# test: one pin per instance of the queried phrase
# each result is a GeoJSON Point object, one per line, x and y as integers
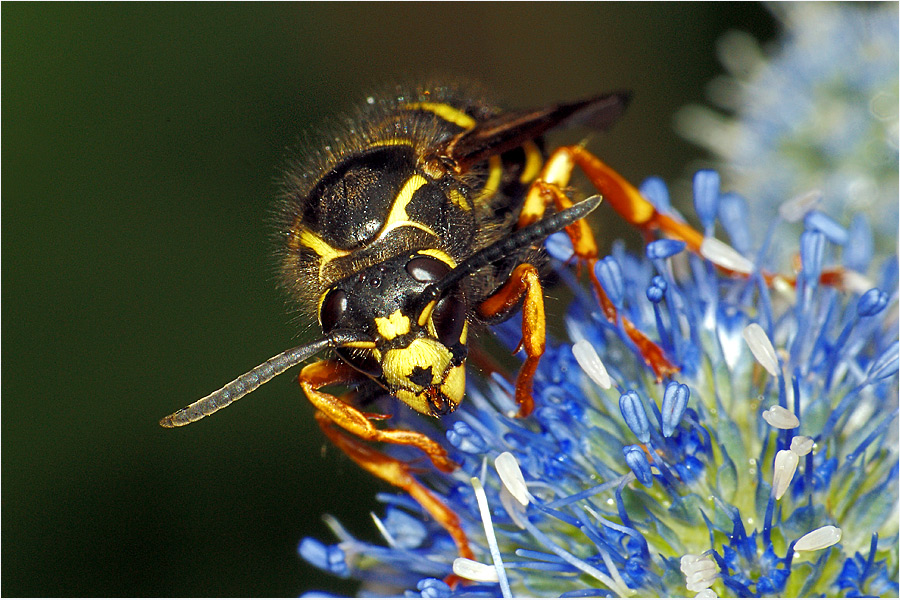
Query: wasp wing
{"type": "Point", "coordinates": [510, 130]}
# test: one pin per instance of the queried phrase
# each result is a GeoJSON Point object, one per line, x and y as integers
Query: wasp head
{"type": "Point", "coordinates": [420, 347]}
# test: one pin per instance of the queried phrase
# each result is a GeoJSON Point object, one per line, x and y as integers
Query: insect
{"type": "Point", "coordinates": [421, 221]}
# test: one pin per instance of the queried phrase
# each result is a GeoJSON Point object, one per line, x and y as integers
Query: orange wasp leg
{"type": "Point", "coordinates": [397, 473]}
{"type": "Point", "coordinates": [522, 283]}
{"type": "Point", "coordinates": [626, 200]}
{"type": "Point", "coordinates": [332, 413]}
{"type": "Point", "coordinates": [634, 208]}
{"type": "Point", "coordinates": [333, 371]}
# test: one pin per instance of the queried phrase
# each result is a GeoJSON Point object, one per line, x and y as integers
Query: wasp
{"type": "Point", "coordinates": [419, 222]}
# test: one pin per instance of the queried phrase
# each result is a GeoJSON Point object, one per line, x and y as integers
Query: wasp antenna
{"type": "Point", "coordinates": [257, 376]}
{"type": "Point", "coordinates": [504, 247]}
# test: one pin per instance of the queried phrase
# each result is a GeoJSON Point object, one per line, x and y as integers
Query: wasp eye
{"type": "Point", "coordinates": [332, 310]}
{"type": "Point", "coordinates": [449, 318]}
{"type": "Point", "coordinates": [426, 269]}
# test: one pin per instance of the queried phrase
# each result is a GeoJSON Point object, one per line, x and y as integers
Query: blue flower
{"type": "Point", "coordinates": [767, 467]}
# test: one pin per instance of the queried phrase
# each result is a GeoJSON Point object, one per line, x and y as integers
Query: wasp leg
{"type": "Point", "coordinates": [333, 371]}
{"type": "Point", "coordinates": [523, 283]}
{"type": "Point", "coordinates": [547, 189]}
{"type": "Point", "coordinates": [397, 473]}
{"type": "Point", "coordinates": [634, 208]}
{"type": "Point", "coordinates": [627, 200]}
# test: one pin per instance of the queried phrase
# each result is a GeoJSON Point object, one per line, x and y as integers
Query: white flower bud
{"type": "Point", "coordinates": [511, 476]}
{"type": "Point", "coordinates": [786, 462]}
{"type": "Point", "coordinates": [802, 444]}
{"type": "Point", "coordinates": [761, 347]}
{"type": "Point", "coordinates": [780, 418]}
{"type": "Point", "coordinates": [590, 362]}
{"type": "Point", "coordinates": [474, 570]}
{"type": "Point", "coordinates": [823, 537]}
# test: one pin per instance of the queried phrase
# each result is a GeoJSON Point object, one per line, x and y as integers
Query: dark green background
{"type": "Point", "coordinates": [140, 148]}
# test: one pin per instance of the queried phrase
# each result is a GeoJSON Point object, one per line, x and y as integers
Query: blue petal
{"type": "Point", "coordinates": [637, 461]}
{"type": "Point", "coordinates": [406, 530]}
{"type": "Point", "coordinates": [674, 403]}
{"type": "Point", "coordinates": [610, 276]}
{"type": "Point", "coordinates": [706, 196]}
{"type": "Point", "coordinates": [635, 416]}
{"type": "Point", "coordinates": [559, 246]}
{"type": "Point", "coordinates": [654, 189]}
{"type": "Point", "coordinates": [859, 249]}
{"type": "Point", "coordinates": [656, 291]}
{"type": "Point", "coordinates": [326, 558]}
{"type": "Point", "coordinates": [466, 439]}
{"type": "Point", "coordinates": [871, 303]}
{"type": "Point", "coordinates": [664, 248]}
{"type": "Point", "coordinates": [434, 588]}
{"type": "Point", "coordinates": [734, 217]}
{"type": "Point", "coordinates": [818, 221]}
{"type": "Point", "coordinates": [812, 251]}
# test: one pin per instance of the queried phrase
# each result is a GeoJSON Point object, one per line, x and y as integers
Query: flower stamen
{"type": "Point", "coordinates": [819, 539]}
{"type": "Point", "coordinates": [761, 347]}
{"type": "Point", "coordinates": [500, 571]}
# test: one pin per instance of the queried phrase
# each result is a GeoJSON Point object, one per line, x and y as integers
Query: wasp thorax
{"type": "Point", "coordinates": [420, 347]}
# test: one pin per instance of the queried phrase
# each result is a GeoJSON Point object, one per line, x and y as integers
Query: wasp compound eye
{"type": "Point", "coordinates": [449, 319]}
{"type": "Point", "coordinates": [333, 308]}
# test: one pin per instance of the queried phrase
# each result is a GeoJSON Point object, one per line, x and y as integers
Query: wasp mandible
{"type": "Point", "coordinates": [418, 222]}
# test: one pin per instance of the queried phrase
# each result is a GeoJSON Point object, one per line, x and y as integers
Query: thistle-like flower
{"type": "Point", "coordinates": [767, 467]}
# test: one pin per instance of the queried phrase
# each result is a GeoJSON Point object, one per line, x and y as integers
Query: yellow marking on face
{"type": "Point", "coordinates": [320, 246]}
{"type": "Point", "coordinates": [398, 216]}
{"type": "Point", "coordinates": [423, 352]}
{"type": "Point", "coordinates": [453, 388]}
{"type": "Point", "coordinates": [425, 315]}
{"type": "Point", "coordinates": [447, 260]}
{"type": "Point", "coordinates": [362, 345]}
{"type": "Point", "coordinates": [446, 112]}
{"type": "Point", "coordinates": [495, 174]}
{"type": "Point", "coordinates": [416, 401]}
{"type": "Point", "coordinates": [461, 201]}
{"type": "Point", "coordinates": [454, 385]}
{"type": "Point", "coordinates": [392, 326]}
{"type": "Point", "coordinates": [533, 162]}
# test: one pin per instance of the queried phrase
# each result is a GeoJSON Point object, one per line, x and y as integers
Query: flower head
{"type": "Point", "coordinates": [767, 466]}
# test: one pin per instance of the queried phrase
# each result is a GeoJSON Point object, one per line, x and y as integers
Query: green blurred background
{"type": "Point", "coordinates": [140, 151]}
